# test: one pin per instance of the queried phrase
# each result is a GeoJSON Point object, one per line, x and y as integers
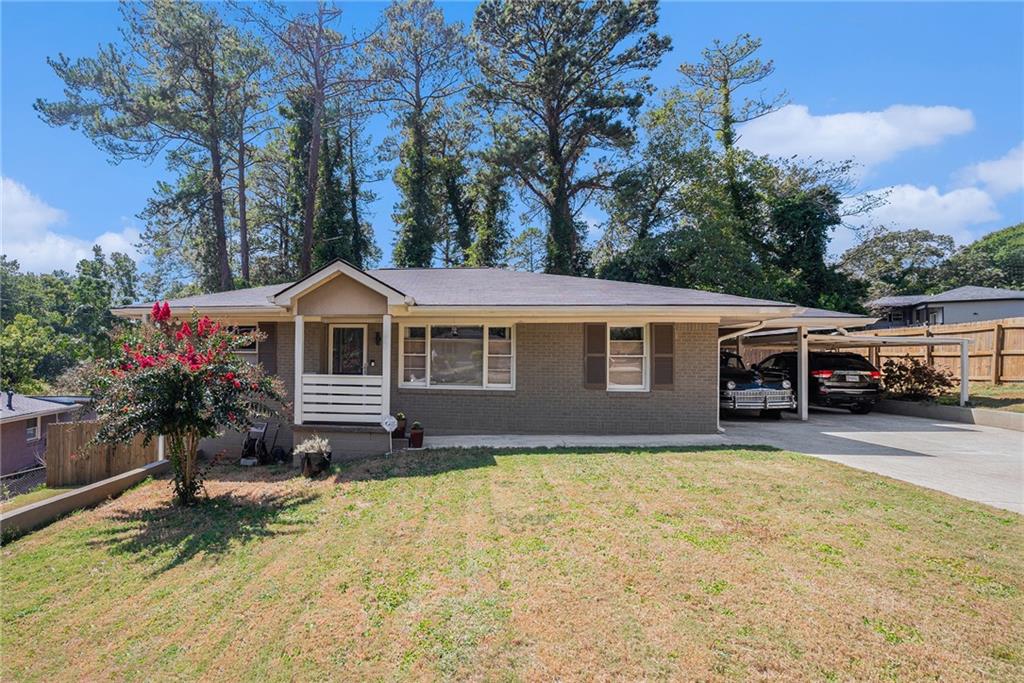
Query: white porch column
{"type": "Point", "coordinates": [300, 342]}
{"type": "Point", "coordinates": [801, 372]}
{"type": "Point", "coordinates": [385, 366]}
{"type": "Point", "coordinates": [965, 373]}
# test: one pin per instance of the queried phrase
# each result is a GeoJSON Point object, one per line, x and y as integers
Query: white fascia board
{"type": "Point", "coordinates": [592, 313]}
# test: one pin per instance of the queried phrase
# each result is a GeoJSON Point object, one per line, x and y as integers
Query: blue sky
{"type": "Point", "coordinates": [929, 98]}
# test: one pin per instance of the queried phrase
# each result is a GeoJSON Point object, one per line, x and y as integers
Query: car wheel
{"type": "Point", "coordinates": [861, 410]}
{"type": "Point", "coordinates": [772, 414]}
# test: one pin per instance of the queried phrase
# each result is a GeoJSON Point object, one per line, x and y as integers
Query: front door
{"type": "Point", "coordinates": [348, 349]}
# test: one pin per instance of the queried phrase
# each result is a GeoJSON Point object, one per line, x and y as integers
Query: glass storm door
{"type": "Point", "coordinates": [348, 350]}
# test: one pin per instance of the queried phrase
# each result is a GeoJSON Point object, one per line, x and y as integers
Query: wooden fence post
{"type": "Point", "coordinates": [997, 353]}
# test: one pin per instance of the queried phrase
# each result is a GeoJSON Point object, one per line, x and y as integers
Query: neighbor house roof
{"type": "Point", "coordinates": [971, 293]}
{"type": "Point", "coordinates": [484, 287]}
{"type": "Point", "coordinates": [967, 293]}
{"type": "Point", "coordinates": [25, 407]}
{"type": "Point", "coordinates": [897, 301]}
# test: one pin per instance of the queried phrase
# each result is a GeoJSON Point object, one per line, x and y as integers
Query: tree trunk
{"type": "Point", "coordinates": [243, 222]}
{"type": "Point", "coordinates": [353, 202]}
{"type": "Point", "coordinates": [220, 231]}
{"type": "Point", "coordinates": [561, 230]}
{"type": "Point", "coordinates": [312, 180]}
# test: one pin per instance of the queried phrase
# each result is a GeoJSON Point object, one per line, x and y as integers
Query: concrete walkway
{"type": "Point", "coordinates": [983, 464]}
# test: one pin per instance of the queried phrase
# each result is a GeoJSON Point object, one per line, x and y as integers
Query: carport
{"type": "Point", "coordinates": [807, 330]}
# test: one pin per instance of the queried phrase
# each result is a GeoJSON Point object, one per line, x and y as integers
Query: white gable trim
{"type": "Point", "coordinates": [288, 296]}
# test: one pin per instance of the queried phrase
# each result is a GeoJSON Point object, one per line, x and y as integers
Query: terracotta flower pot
{"type": "Point", "coordinates": [399, 432]}
{"type": "Point", "coordinates": [416, 438]}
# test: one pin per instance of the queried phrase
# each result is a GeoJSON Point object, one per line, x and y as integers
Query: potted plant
{"type": "Point", "coordinates": [316, 455]}
{"type": "Point", "coordinates": [416, 435]}
{"type": "Point", "coordinates": [399, 432]}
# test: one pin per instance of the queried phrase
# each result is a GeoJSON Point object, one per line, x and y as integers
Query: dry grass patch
{"type": "Point", "coordinates": [710, 564]}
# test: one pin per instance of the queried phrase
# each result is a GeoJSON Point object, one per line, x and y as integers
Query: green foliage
{"type": "Point", "coordinates": [909, 379]}
{"type": "Point", "coordinates": [180, 380]}
{"type": "Point", "coordinates": [564, 79]}
{"type": "Point", "coordinates": [49, 322]}
{"type": "Point", "coordinates": [26, 345]}
{"type": "Point", "coordinates": [897, 261]}
{"type": "Point", "coordinates": [995, 260]}
{"type": "Point", "coordinates": [527, 250]}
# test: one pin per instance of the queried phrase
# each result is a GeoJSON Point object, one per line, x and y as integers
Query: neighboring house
{"type": "Point", "coordinates": [960, 305]}
{"type": "Point", "coordinates": [476, 351]}
{"type": "Point", "coordinates": [23, 422]}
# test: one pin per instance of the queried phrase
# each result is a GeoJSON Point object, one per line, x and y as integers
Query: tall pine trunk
{"type": "Point", "coordinates": [220, 231]}
{"type": "Point", "coordinates": [243, 222]}
{"type": "Point", "coordinates": [312, 179]}
{"type": "Point", "coordinates": [353, 203]}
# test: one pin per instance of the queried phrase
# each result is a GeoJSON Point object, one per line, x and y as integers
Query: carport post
{"type": "Point", "coordinates": [965, 373]}
{"type": "Point", "coordinates": [801, 372]}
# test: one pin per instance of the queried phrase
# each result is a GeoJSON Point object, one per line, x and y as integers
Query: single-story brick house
{"type": "Point", "coordinates": [23, 423]}
{"type": "Point", "coordinates": [485, 350]}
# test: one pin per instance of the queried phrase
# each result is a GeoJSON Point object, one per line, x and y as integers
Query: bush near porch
{"type": "Point", "coordinates": [710, 564]}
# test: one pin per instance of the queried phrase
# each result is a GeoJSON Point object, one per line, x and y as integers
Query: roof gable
{"type": "Point", "coordinates": [288, 295]}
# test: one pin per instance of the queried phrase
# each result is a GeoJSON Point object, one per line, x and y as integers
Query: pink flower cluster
{"type": "Point", "coordinates": [160, 313]}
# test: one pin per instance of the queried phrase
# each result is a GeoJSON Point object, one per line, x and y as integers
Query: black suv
{"type": "Point", "coordinates": [742, 388]}
{"type": "Point", "coordinates": [837, 380]}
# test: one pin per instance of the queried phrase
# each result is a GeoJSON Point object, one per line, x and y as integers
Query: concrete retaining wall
{"type": "Point", "coordinates": [39, 514]}
{"type": "Point", "coordinates": [935, 411]}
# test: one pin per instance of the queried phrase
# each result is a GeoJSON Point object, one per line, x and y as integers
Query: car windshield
{"type": "Point", "coordinates": [732, 362]}
{"type": "Point", "coordinates": [840, 361]}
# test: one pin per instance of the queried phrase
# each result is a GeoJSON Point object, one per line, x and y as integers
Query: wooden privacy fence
{"type": "Point", "coordinates": [996, 350]}
{"type": "Point", "coordinates": [70, 463]}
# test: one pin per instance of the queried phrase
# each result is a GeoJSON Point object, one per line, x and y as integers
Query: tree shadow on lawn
{"type": "Point", "coordinates": [434, 461]}
{"type": "Point", "coordinates": [173, 535]}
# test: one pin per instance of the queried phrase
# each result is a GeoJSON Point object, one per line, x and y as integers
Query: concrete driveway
{"type": "Point", "coordinates": [984, 464]}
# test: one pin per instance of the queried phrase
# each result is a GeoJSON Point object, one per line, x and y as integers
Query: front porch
{"type": "Point", "coordinates": [342, 371]}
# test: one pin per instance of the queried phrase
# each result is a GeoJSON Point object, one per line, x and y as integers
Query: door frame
{"type": "Point", "coordinates": [330, 345]}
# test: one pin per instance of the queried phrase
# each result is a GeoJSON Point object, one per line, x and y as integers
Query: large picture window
{"type": "Point", "coordinates": [458, 356]}
{"type": "Point", "coordinates": [627, 358]}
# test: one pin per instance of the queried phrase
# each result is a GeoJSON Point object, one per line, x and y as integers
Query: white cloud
{"type": "Point", "coordinates": [999, 176]}
{"type": "Point", "coordinates": [952, 213]}
{"type": "Point", "coordinates": [867, 137]}
{"type": "Point", "coordinates": [27, 233]}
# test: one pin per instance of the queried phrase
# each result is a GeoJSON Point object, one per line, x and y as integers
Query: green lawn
{"type": "Point", "coordinates": [702, 564]}
{"type": "Point", "coordinates": [987, 395]}
{"type": "Point", "coordinates": [34, 496]}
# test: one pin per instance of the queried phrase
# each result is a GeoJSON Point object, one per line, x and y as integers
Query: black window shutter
{"type": "Point", "coordinates": [595, 361]}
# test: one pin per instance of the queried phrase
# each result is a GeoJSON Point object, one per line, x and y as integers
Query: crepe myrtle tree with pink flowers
{"type": "Point", "coordinates": [183, 380]}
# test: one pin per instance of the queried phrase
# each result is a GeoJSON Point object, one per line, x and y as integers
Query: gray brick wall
{"type": "Point", "coordinates": [550, 396]}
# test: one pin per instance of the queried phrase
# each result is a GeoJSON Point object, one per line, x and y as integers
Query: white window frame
{"type": "Point", "coordinates": [38, 430]}
{"type": "Point", "coordinates": [330, 345]}
{"type": "Point", "coordinates": [486, 386]}
{"type": "Point", "coordinates": [646, 386]}
{"type": "Point", "coordinates": [254, 352]}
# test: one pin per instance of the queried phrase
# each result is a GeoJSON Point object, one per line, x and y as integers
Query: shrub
{"type": "Point", "coordinates": [180, 380]}
{"type": "Point", "coordinates": [909, 379]}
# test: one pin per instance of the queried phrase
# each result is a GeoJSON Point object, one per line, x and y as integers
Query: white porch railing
{"type": "Point", "coordinates": [342, 398]}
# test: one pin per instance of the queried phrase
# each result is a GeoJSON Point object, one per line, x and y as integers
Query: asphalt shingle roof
{"type": "Point", "coordinates": [492, 287]}
{"type": "Point", "coordinates": [26, 406]}
{"type": "Point", "coordinates": [971, 293]}
{"type": "Point", "coordinates": [967, 293]}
